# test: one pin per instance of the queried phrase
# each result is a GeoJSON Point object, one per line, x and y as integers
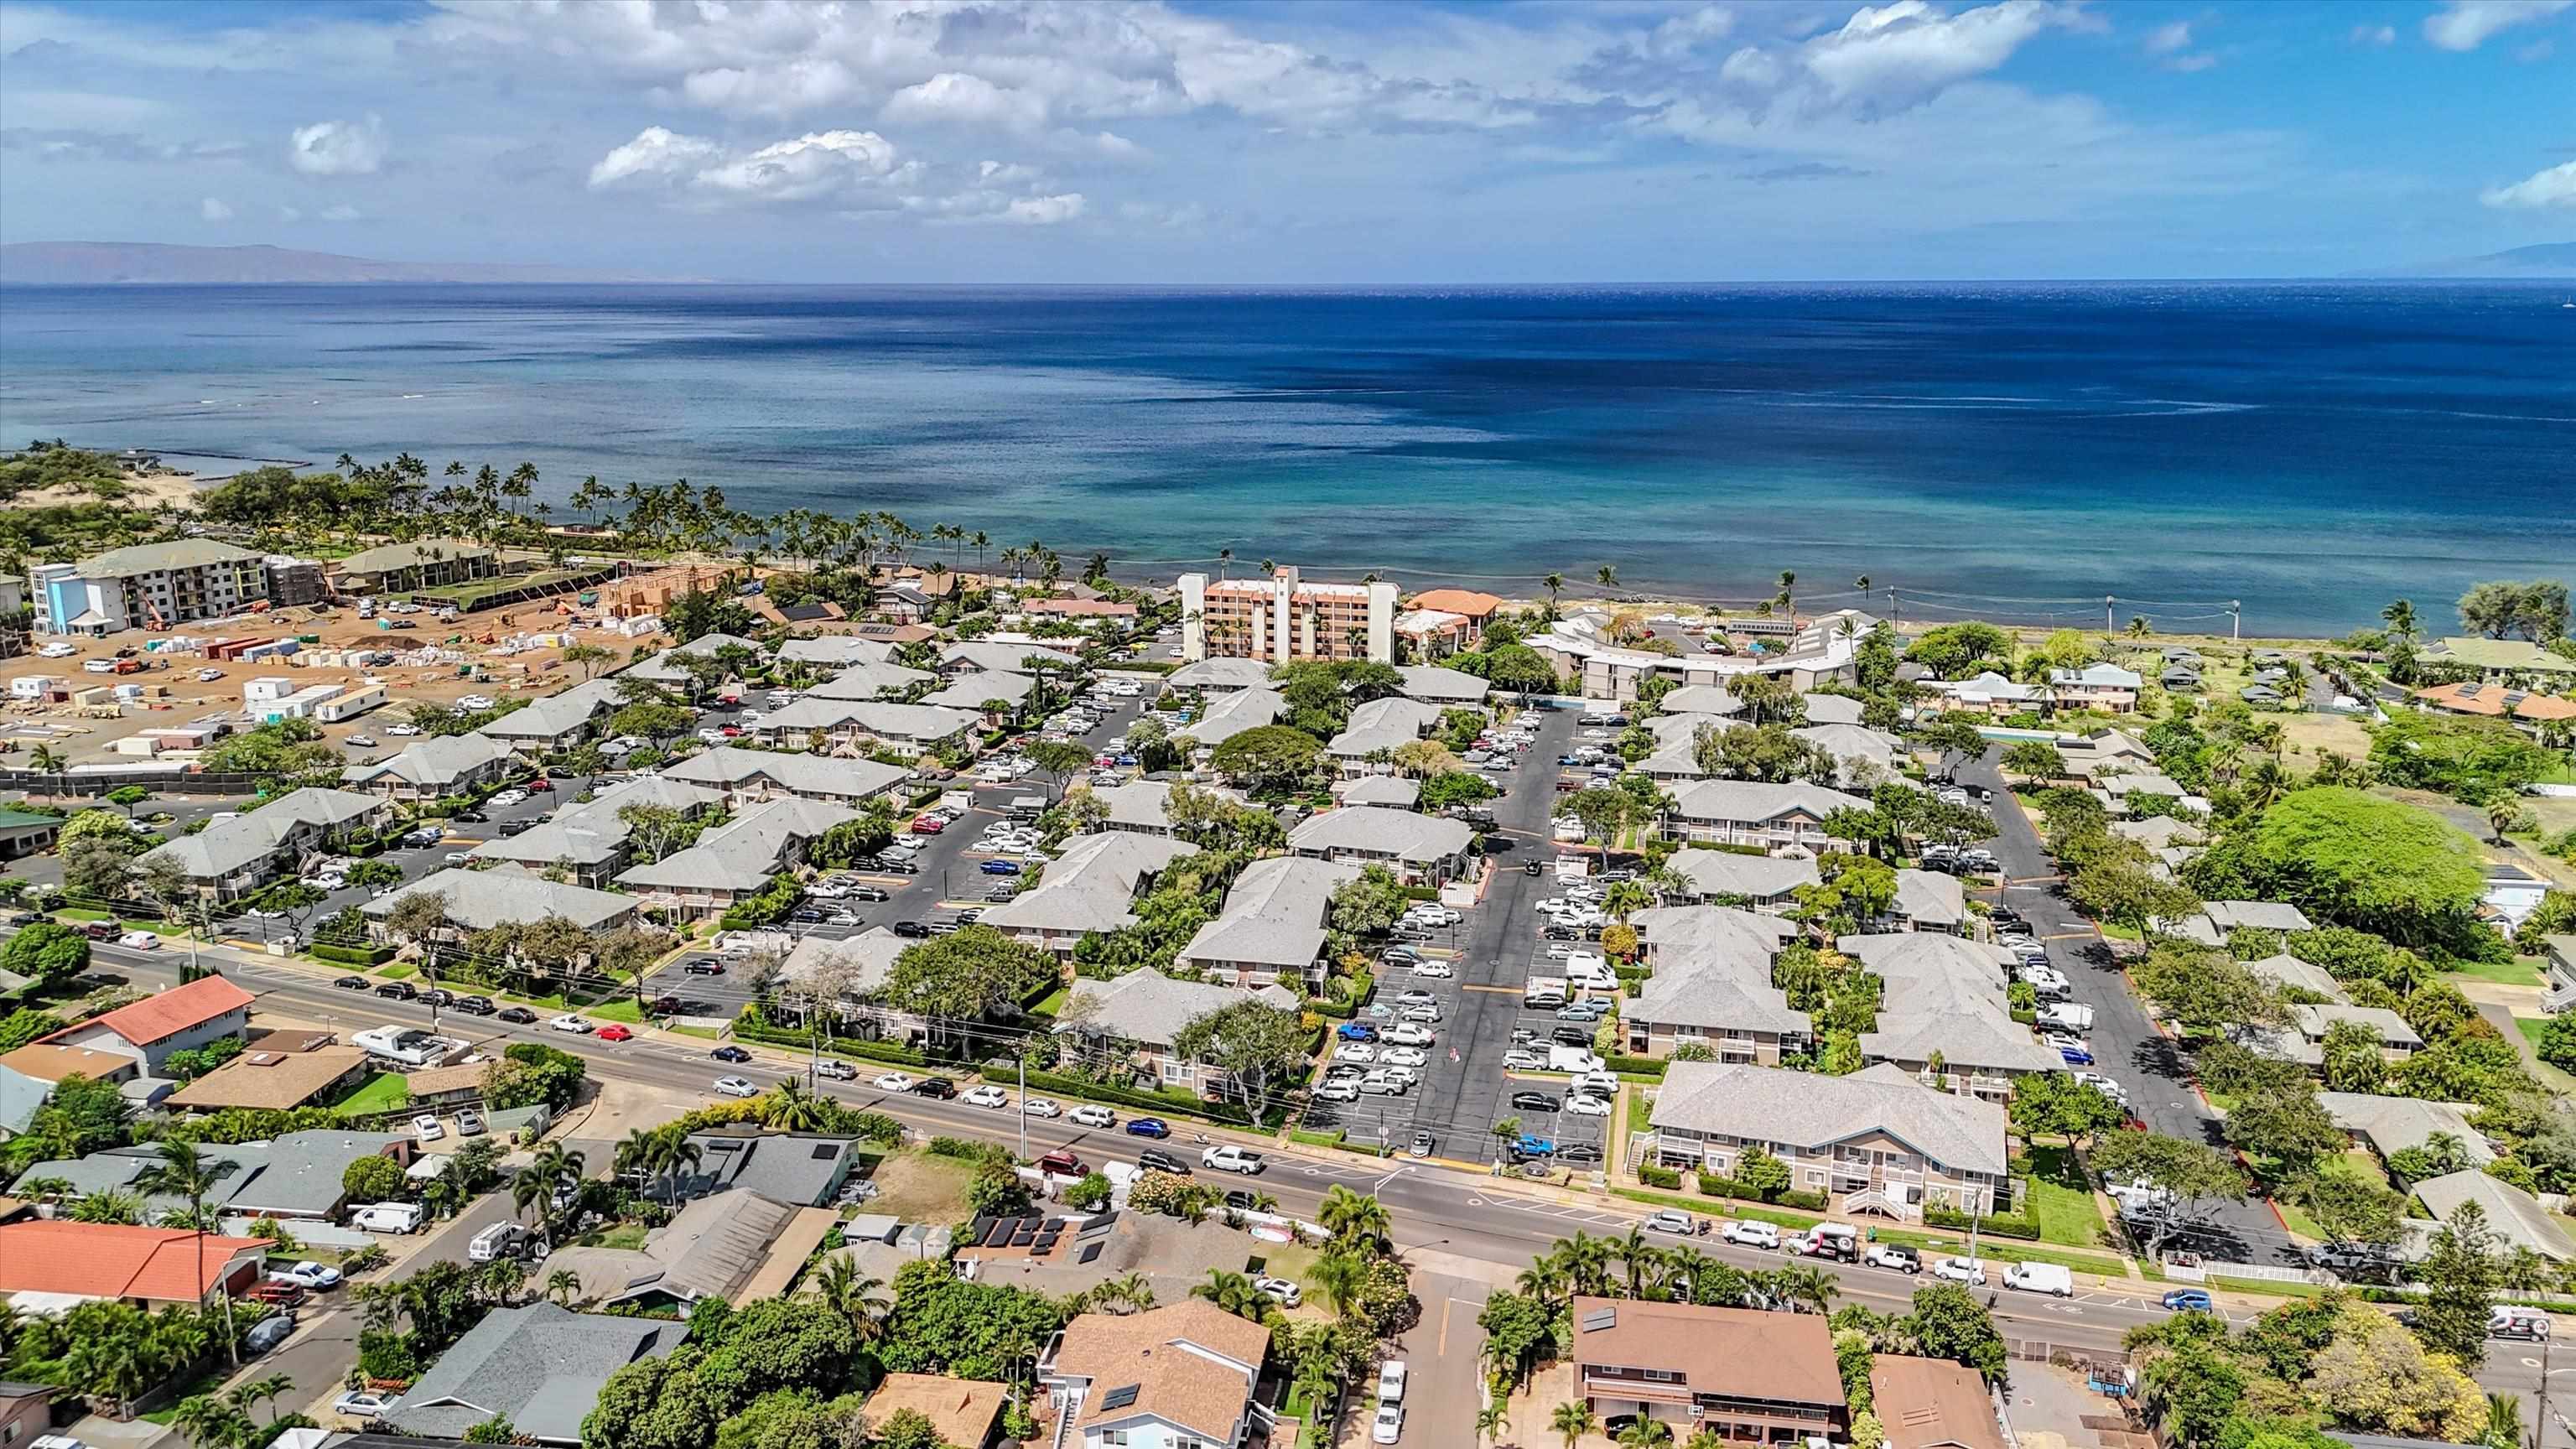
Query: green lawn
{"type": "Point", "coordinates": [708, 1032]}
{"type": "Point", "coordinates": [397, 970]}
{"type": "Point", "coordinates": [624, 1235]}
{"type": "Point", "coordinates": [2063, 1200]}
{"type": "Point", "coordinates": [383, 1092]}
{"type": "Point", "coordinates": [2531, 1028]}
{"type": "Point", "coordinates": [1053, 1003]}
{"type": "Point", "coordinates": [2520, 971]}
{"type": "Point", "coordinates": [2114, 931]}
{"type": "Point", "coordinates": [619, 1008]}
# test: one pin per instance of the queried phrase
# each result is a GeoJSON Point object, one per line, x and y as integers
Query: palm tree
{"type": "Point", "coordinates": [1552, 583]}
{"type": "Point", "coordinates": [2400, 618]}
{"type": "Point", "coordinates": [264, 1391]}
{"type": "Point", "coordinates": [1234, 1293]}
{"type": "Point", "coordinates": [563, 1287]}
{"type": "Point", "coordinates": [1492, 1420]}
{"type": "Point", "coordinates": [1341, 1278]}
{"type": "Point", "coordinates": [1807, 1285]}
{"type": "Point", "coordinates": [1645, 1433]}
{"type": "Point", "coordinates": [1224, 560]}
{"type": "Point", "coordinates": [1572, 1420]}
{"type": "Point", "coordinates": [1789, 595]}
{"type": "Point", "coordinates": [1626, 898]}
{"type": "Point", "coordinates": [1705, 1437]}
{"type": "Point", "coordinates": [1608, 575]}
{"type": "Point", "coordinates": [210, 1422]}
{"type": "Point", "coordinates": [2501, 813]}
{"type": "Point", "coordinates": [1544, 1280]}
{"type": "Point", "coordinates": [183, 1172]}
{"type": "Point", "coordinates": [44, 761]}
{"type": "Point", "coordinates": [2504, 1419]}
{"type": "Point", "coordinates": [2139, 628]}
{"type": "Point", "coordinates": [793, 1109]}
{"type": "Point", "coordinates": [1354, 1219]}
{"type": "Point", "coordinates": [1586, 1261]}
{"type": "Point", "coordinates": [1637, 1254]}
{"type": "Point", "coordinates": [852, 1298]}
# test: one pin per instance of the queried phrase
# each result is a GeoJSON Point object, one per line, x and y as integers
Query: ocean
{"type": "Point", "coordinates": [2018, 452]}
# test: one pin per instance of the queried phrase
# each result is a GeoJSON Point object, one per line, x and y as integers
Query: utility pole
{"type": "Point", "coordinates": [1895, 613]}
{"type": "Point", "coordinates": [1024, 1099]}
{"type": "Point", "coordinates": [2235, 620]}
{"type": "Point", "coordinates": [2106, 613]}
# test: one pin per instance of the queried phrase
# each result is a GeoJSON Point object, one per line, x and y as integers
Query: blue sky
{"type": "Point", "coordinates": [1250, 141]}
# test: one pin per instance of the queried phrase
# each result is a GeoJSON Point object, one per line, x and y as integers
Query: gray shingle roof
{"type": "Point", "coordinates": [744, 853]}
{"type": "Point", "coordinates": [1441, 686]}
{"type": "Point", "coordinates": [2393, 1124]}
{"type": "Point", "coordinates": [2263, 915]}
{"type": "Point", "coordinates": [591, 834]}
{"type": "Point", "coordinates": [1392, 791]}
{"type": "Point", "coordinates": [1675, 934]}
{"type": "Point", "coordinates": [1376, 830]}
{"type": "Point", "coordinates": [1274, 916]}
{"type": "Point", "coordinates": [506, 895]}
{"type": "Point", "coordinates": [868, 680]}
{"type": "Point", "coordinates": [1755, 877]}
{"type": "Point", "coordinates": [1809, 1110]}
{"type": "Point", "coordinates": [1220, 674]}
{"type": "Point", "coordinates": [297, 1173]}
{"type": "Point", "coordinates": [1931, 898]}
{"type": "Point", "coordinates": [1383, 724]}
{"type": "Point", "coordinates": [870, 955]}
{"type": "Point", "coordinates": [1232, 714]}
{"type": "Point", "coordinates": [2515, 1215]}
{"type": "Point", "coordinates": [833, 650]}
{"type": "Point", "coordinates": [1753, 802]}
{"type": "Point", "coordinates": [227, 846]}
{"type": "Point", "coordinates": [433, 762]}
{"type": "Point", "coordinates": [1149, 1007]}
{"type": "Point", "coordinates": [886, 719]}
{"type": "Point", "coordinates": [541, 1367]}
{"type": "Point", "coordinates": [1003, 656]}
{"type": "Point", "coordinates": [1091, 885]}
{"type": "Point", "coordinates": [801, 1168]}
{"type": "Point", "coordinates": [1714, 996]}
{"type": "Point", "coordinates": [970, 691]}
{"type": "Point", "coordinates": [1144, 804]}
{"type": "Point", "coordinates": [1982, 1036]}
{"type": "Point", "coordinates": [819, 777]}
{"type": "Point", "coordinates": [1700, 699]}
{"type": "Point", "coordinates": [2284, 969]}
{"type": "Point", "coordinates": [557, 714]}
{"type": "Point", "coordinates": [1828, 709]}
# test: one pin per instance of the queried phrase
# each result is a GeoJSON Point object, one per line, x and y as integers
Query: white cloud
{"type": "Point", "coordinates": [2554, 187]}
{"type": "Point", "coordinates": [1045, 210]}
{"type": "Point", "coordinates": [214, 210]}
{"type": "Point", "coordinates": [1898, 54]}
{"type": "Point", "coordinates": [816, 165]}
{"type": "Point", "coordinates": [341, 213]}
{"type": "Point", "coordinates": [2198, 60]}
{"type": "Point", "coordinates": [290, 214]}
{"type": "Point", "coordinates": [654, 153]}
{"type": "Point", "coordinates": [2166, 39]}
{"type": "Point", "coordinates": [956, 98]}
{"type": "Point", "coordinates": [2466, 24]}
{"type": "Point", "coordinates": [2374, 35]}
{"type": "Point", "coordinates": [338, 148]}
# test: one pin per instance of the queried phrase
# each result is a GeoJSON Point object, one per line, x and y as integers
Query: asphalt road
{"type": "Point", "coordinates": [2125, 1043]}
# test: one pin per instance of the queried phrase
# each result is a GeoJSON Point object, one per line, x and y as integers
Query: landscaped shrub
{"type": "Point", "coordinates": [1653, 1176]}
{"type": "Point", "coordinates": [1642, 1066]}
{"type": "Point", "coordinates": [1942, 1215]}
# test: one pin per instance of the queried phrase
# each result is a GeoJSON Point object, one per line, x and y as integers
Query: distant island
{"type": "Point", "coordinates": [2547, 261]}
{"type": "Point", "coordinates": [106, 264]}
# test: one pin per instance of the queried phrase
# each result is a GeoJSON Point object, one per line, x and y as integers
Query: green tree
{"type": "Point", "coordinates": [2196, 1175]}
{"type": "Point", "coordinates": [2119, 882]}
{"type": "Point", "coordinates": [1260, 1049]}
{"type": "Point", "coordinates": [958, 980]}
{"type": "Point", "coordinates": [373, 1179]}
{"type": "Point", "coordinates": [1572, 1420]}
{"type": "Point", "coordinates": [1948, 1322]}
{"type": "Point", "coordinates": [2460, 1276]}
{"type": "Point", "coordinates": [1767, 1176]}
{"type": "Point", "coordinates": [1268, 757]}
{"type": "Point", "coordinates": [2361, 860]}
{"type": "Point", "coordinates": [2205, 990]}
{"type": "Point", "coordinates": [46, 953]}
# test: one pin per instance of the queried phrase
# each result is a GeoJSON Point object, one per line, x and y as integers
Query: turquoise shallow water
{"type": "Point", "coordinates": [2313, 449]}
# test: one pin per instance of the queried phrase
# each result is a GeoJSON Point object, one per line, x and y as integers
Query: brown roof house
{"type": "Point", "coordinates": [1759, 1378]}
{"type": "Point", "coordinates": [964, 1412]}
{"type": "Point", "coordinates": [1930, 1403]}
{"type": "Point", "coordinates": [1179, 1374]}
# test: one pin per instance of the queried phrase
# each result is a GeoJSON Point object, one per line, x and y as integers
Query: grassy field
{"type": "Point", "coordinates": [383, 1092]}
{"type": "Point", "coordinates": [2063, 1199]}
{"type": "Point", "coordinates": [398, 970]}
{"type": "Point", "coordinates": [2520, 971]}
{"type": "Point", "coordinates": [624, 1235]}
{"type": "Point", "coordinates": [619, 1008]}
{"type": "Point", "coordinates": [917, 1187]}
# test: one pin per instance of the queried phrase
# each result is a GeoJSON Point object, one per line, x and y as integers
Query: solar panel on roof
{"type": "Point", "coordinates": [1121, 1396]}
{"type": "Point", "coordinates": [1090, 1251]}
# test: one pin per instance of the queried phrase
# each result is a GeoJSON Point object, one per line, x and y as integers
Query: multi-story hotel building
{"type": "Point", "coordinates": [147, 586]}
{"type": "Point", "coordinates": [1281, 618]}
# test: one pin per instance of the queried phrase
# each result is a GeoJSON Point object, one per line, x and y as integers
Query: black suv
{"type": "Point", "coordinates": [939, 1087]}
{"type": "Point", "coordinates": [870, 893]}
{"type": "Point", "coordinates": [399, 991]}
{"type": "Point", "coordinates": [910, 928]}
{"type": "Point", "coordinates": [518, 1015]}
{"type": "Point", "coordinates": [473, 1005]}
{"type": "Point", "coordinates": [1155, 1160]}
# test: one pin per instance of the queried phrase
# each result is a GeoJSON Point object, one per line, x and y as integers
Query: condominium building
{"type": "Point", "coordinates": [147, 586]}
{"type": "Point", "coordinates": [1282, 618]}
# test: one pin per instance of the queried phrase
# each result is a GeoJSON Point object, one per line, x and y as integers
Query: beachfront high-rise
{"type": "Point", "coordinates": [1281, 618]}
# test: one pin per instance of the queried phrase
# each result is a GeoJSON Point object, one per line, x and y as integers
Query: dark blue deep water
{"type": "Point", "coordinates": [2313, 449]}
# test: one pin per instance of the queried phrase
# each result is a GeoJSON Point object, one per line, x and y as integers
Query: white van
{"type": "Point", "coordinates": [501, 1240]}
{"type": "Point", "coordinates": [1572, 1059]}
{"type": "Point", "coordinates": [387, 1217]}
{"type": "Point", "coordinates": [2040, 1278]}
{"type": "Point", "coordinates": [2512, 1320]}
{"type": "Point", "coordinates": [2074, 1016]}
{"type": "Point", "coordinates": [1587, 970]}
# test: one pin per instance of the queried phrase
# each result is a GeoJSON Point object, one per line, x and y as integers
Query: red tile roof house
{"type": "Point", "coordinates": [147, 1267]}
{"type": "Point", "coordinates": [179, 1019]}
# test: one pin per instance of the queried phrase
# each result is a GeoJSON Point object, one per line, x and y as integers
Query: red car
{"type": "Point", "coordinates": [732, 732]}
{"type": "Point", "coordinates": [539, 785]}
{"type": "Point", "coordinates": [614, 1032]}
{"type": "Point", "coordinates": [928, 825]}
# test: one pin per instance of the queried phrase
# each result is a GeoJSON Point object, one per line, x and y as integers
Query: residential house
{"type": "Point", "coordinates": [2511, 895]}
{"type": "Point", "coordinates": [2217, 918]}
{"type": "Point", "coordinates": [1421, 849]}
{"type": "Point", "coordinates": [2515, 1215]}
{"type": "Point", "coordinates": [735, 1246]}
{"type": "Point", "coordinates": [539, 1367]}
{"type": "Point", "coordinates": [2179, 679]}
{"type": "Point", "coordinates": [1760, 882]}
{"type": "Point", "coordinates": [1085, 612]}
{"type": "Point", "coordinates": [920, 727]}
{"type": "Point", "coordinates": [1878, 1140]}
{"type": "Point", "coordinates": [1752, 1377]}
{"type": "Point", "coordinates": [2104, 687]}
{"type": "Point", "coordinates": [2260, 695]}
{"type": "Point", "coordinates": [1866, 755]}
{"type": "Point", "coordinates": [234, 857]}
{"type": "Point", "coordinates": [748, 777]}
{"type": "Point", "coordinates": [1378, 728]}
{"type": "Point", "coordinates": [1967, 1043]}
{"type": "Point", "coordinates": [2390, 1125]}
{"type": "Point", "coordinates": [2397, 1040]}
{"type": "Point", "coordinates": [437, 765]}
{"type": "Point", "coordinates": [181, 1018]}
{"type": "Point", "coordinates": [668, 667]}
{"type": "Point", "coordinates": [1930, 901]}
{"type": "Point", "coordinates": [1144, 1011]}
{"type": "Point", "coordinates": [965, 1413]}
{"type": "Point", "coordinates": [1829, 709]}
{"type": "Point", "coordinates": [588, 841]}
{"type": "Point", "coordinates": [2530, 712]}
{"type": "Point", "coordinates": [1229, 715]}
{"type": "Point", "coordinates": [59, 1263]}
{"type": "Point", "coordinates": [146, 586]}
{"type": "Point", "coordinates": [45, 1062]}
{"type": "Point", "coordinates": [1788, 817]}
{"type": "Point", "coordinates": [801, 1169]}
{"type": "Point", "coordinates": [2106, 750]}
{"type": "Point", "coordinates": [833, 651]}
{"type": "Point", "coordinates": [1715, 699]}
{"type": "Point", "coordinates": [1433, 684]}
{"type": "Point", "coordinates": [2288, 973]}
{"type": "Point", "coordinates": [1181, 1376]}
{"type": "Point", "coordinates": [296, 1175]}
{"type": "Point", "coordinates": [1464, 613]}
{"type": "Point", "coordinates": [2159, 832]}
{"type": "Point", "coordinates": [2497, 658]}
{"type": "Point", "coordinates": [1088, 888]}
{"type": "Point", "coordinates": [1144, 805]}
{"type": "Point", "coordinates": [26, 1412]}
{"type": "Point", "coordinates": [504, 895]}
{"type": "Point", "coordinates": [1282, 618]}
{"type": "Point", "coordinates": [735, 860]}
{"type": "Point", "coordinates": [1726, 1007]}
{"type": "Point", "coordinates": [421, 563]}
{"type": "Point", "coordinates": [1392, 791]}
{"type": "Point", "coordinates": [277, 1074]}
{"type": "Point", "coordinates": [2129, 792]}
{"type": "Point", "coordinates": [1932, 1403]}
{"type": "Point", "coordinates": [1272, 927]}
{"type": "Point", "coordinates": [1005, 656]}
{"type": "Point", "coordinates": [20, 1096]}
{"type": "Point", "coordinates": [1991, 694]}
{"type": "Point", "coordinates": [557, 721]}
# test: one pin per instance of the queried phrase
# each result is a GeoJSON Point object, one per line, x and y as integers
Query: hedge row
{"type": "Point", "coordinates": [352, 955]}
{"type": "Point", "coordinates": [1653, 1176]}
{"type": "Point", "coordinates": [838, 1047]}
{"type": "Point", "coordinates": [1715, 1186]}
{"type": "Point", "coordinates": [1636, 1066]}
{"type": "Point", "coordinates": [1187, 1104]}
{"type": "Point", "coordinates": [1942, 1215]}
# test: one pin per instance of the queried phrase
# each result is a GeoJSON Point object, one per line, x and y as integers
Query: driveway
{"type": "Point", "coordinates": [2126, 1044]}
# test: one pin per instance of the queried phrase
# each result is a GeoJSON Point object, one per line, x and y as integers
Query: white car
{"type": "Point", "coordinates": [360, 1404]}
{"type": "Point", "coordinates": [508, 798]}
{"type": "Point", "coordinates": [139, 941]}
{"type": "Point", "coordinates": [306, 1275]}
{"type": "Point", "coordinates": [475, 701]}
{"type": "Point", "coordinates": [987, 1095]}
{"type": "Point", "coordinates": [1390, 1381]}
{"type": "Point", "coordinates": [1584, 1106]}
{"type": "Point", "coordinates": [1433, 916]}
{"type": "Point", "coordinates": [207, 675]}
{"type": "Point", "coordinates": [736, 1087]}
{"type": "Point", "coordinates": [426, 1128]}
{"type": "Point", "coordinates": [1341, 1090]}
{"type": "Point", "coordinates": [1439, 970]}
{"type": "Point", "coordinates": [711, 735]}
{"type": "Point", "coordinates": [1960, 1270]}
{"type": "Point", "coordinates": [571, 1023]}
{"type": "Point", "coordinates": [893, 1082]}
{"type": "Point", "coordinates": [1752, 1234]}
{"type": "Point", "coordinates": [1401, 1056]}
{"type": "Point", "coordinates": [1089, 1116]}
{"type": "Point", "coordinates": [1355, 1051]}
{"type": "Point", "coordinates": [1226, 1157]}
{"type": "Point", "coordinates": [1039, 1107]}
{"type": "Point", "coordinates": [1280, 1290]}
{"type": "Point", "coordinates": [364, 742]}
{"type": "Point", "coordinates": [1407, 1033]}
{"type": "Point", "coordinates": [402, 729]}
{"type": "Point", "coordinates": [58, 650]}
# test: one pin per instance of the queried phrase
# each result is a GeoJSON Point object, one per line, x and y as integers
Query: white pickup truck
{"type": "Point", "coordinates": [1225, 1157]}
